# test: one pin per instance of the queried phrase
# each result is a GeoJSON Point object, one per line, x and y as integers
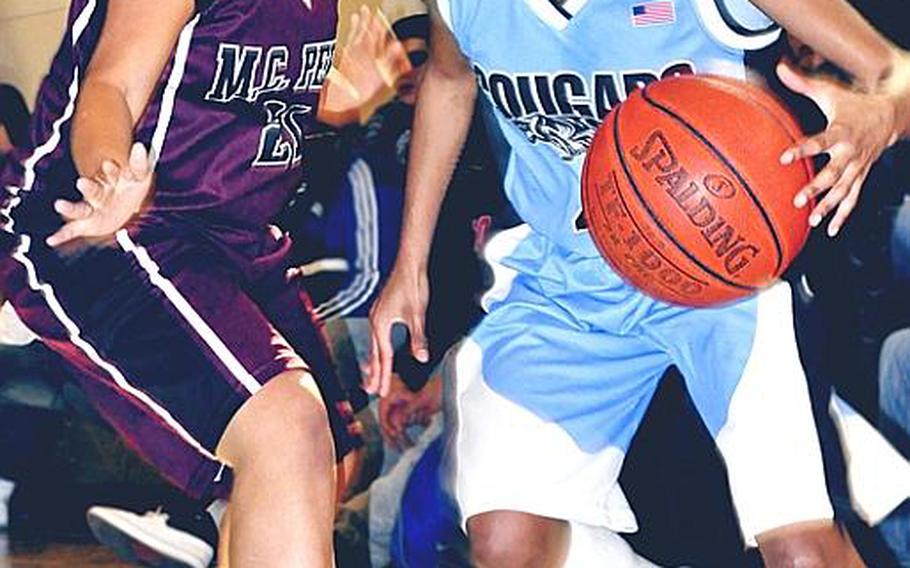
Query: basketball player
{"type": "Point", "coordinates": [173, 310]}
{"type": "Point", "coordinates": [553, 383]}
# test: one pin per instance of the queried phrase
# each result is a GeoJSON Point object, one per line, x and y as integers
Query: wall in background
{"type": "Point", "coordinates": [30, 31]}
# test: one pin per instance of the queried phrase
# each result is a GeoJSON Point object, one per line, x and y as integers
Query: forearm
{"type": "Point", "coordinates": [124, 71]}
{"type": "Point", "coordinates": [834, 29]}
{"type": "Point", "coordinates": [102, 128]}
{"type": "Point", "coordinates": [444, 111]}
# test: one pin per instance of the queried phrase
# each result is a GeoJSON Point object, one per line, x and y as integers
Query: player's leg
{"type": "Point", "coordinates": [170, 350]}
{"type": "Point", "coordinates": [512, 539]}
{"type": "Point", "coordinates": [817, 544]}
{"type": "Point", "coordinates": [519, 477]}
{"type": "Point", "coordinates": [287, 307]}
{"type": "Point", "coordinates": [543, 407]}
{"type": "Point", "coordinates": [224, 539]}
{"type": "Point", "coordinates": [745, 376]}
{"type": "Point", "coordinates": [260, 429]}
{"type": "Point", "coordinates": [280, 448]}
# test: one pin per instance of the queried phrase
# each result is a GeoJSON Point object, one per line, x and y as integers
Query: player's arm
{"type": "Point", "coordinates": [444, 108]}
{"type": "Point", "coordinates": [135, 45]}
{"type": "Point", "coordinates": [863, 120]}
{"type": "Point", "coordinates": [365, 67]}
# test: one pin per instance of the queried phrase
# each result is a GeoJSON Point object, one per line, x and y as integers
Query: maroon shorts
{"type": "Point", "coordinates": [169, 340]}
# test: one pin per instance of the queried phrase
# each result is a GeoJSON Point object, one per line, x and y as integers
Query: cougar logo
{"type": "Point", "coordinates": [569, 135]}
{"type": "Point", "coordinates": [564, 108]}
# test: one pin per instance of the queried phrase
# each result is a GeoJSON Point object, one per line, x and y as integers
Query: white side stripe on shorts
{"type": "Point", "coordinates": [75, 337]}
{"type": "Point", "coordinates": [178, 300]}
{"type": "Point", "coordinates": [189, 313]}
{"type": "Point", "coordinates": [81, 23]}
{"type": "Point", "coordinates": [49, 145]}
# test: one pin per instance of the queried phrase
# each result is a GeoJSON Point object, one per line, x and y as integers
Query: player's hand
{"type": "Point", "coordinates": [861, 125]}
{"type": "Point", "coordinates": [371, 61]}
{"type": "Point", "coordinates": [110, 200]}
{"type": "Point", "coordinates": [425, 403]}
{"type": "Point", "coordinates": [403, 300]}
{"type": "Point", "coordinates": [394, 418]}
{"type": "Point", "coordinates": [403, 408]}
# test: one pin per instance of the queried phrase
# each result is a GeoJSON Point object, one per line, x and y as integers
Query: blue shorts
{"type": "Point", "coordinates": [552, 385]}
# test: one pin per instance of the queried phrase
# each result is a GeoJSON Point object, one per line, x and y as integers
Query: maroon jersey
{"type": "Point", "coordinates": [227, 121]}
{"type": "Point", "coordinates": [167, 337]}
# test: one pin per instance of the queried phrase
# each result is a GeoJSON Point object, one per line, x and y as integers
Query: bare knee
{"type": "Point", "coordinates": [808, 545]}
{"type": "Point", "coordinates": [287, 418]}
{"type": "Point", "coordinates": [509, 539]}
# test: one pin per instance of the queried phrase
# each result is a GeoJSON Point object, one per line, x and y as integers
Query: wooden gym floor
{"type": "Point", "coordinates": [55, 555]}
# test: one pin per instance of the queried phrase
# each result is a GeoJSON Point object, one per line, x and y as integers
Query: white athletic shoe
{"type": "Point", "coordinates": [150, 539]}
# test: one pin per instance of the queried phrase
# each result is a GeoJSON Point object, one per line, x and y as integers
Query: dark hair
{"type": "Point", "coordinates": [417, 25]}
{"type": "Point", "coordinates": [14, 114]}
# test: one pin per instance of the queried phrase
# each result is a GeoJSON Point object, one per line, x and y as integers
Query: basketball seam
{"type": "Point", "coordinates": [777, 246]}
{"type": "Point", "coordinates": [664, 230]}
{"type": "Point", "coordinates": [759, 103]}
{"type": "Point", "coordinates": [593, 228]}
{"type": "Point", "coordinates": [756, 101]}
{"type": "Point", "coordinates": [644, 236]}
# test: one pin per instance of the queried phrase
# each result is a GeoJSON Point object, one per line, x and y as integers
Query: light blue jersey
{"type": "Point", "coordinates": [551, 386]}
{"type": "Point", "coordinates": [553, 72]}
{"type": "Point", "coordinates": [553, 383]}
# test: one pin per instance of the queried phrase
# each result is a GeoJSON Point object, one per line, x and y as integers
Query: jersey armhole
{"type": "Point", "coordinates": [748, 30]}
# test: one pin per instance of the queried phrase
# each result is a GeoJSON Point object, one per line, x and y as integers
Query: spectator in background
{"type": "Point", "coordinates": [347, 215]}
{"type": "Point", "coordinates": [894, 397]}
{"type": "Point", "coordinates": [345, 222]}
{"type": "Point", "coordinates": [348, 227]}
{"type": "Point", "coordinates": [357, 221]}
{"type": "Point", "coordinates": [900, 241]}
{"type": "Point", "coordinates": [14, 117]}
{"type": "Point", "coordinates": [894, 372]}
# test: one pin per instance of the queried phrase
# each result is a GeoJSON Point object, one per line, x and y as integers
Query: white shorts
{"type": "Point", "coordinates": [552, 385]}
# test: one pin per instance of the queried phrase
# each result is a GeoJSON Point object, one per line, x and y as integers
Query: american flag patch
{"type": "Point", "coordinates": [653, 13]}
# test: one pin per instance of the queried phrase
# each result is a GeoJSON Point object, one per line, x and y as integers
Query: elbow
{"type": "Point", "coordinates": [459, 80]}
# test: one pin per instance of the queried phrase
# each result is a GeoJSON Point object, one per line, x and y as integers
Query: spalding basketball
{"type": "Point", "coordinates": [684, 193]}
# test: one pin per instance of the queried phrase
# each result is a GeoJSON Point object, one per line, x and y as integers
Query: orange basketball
{"type": "Point", "coordinates": [684, 193]}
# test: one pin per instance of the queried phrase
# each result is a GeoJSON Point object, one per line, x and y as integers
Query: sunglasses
{"type": "Point", "coordinates": [418, 57]}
